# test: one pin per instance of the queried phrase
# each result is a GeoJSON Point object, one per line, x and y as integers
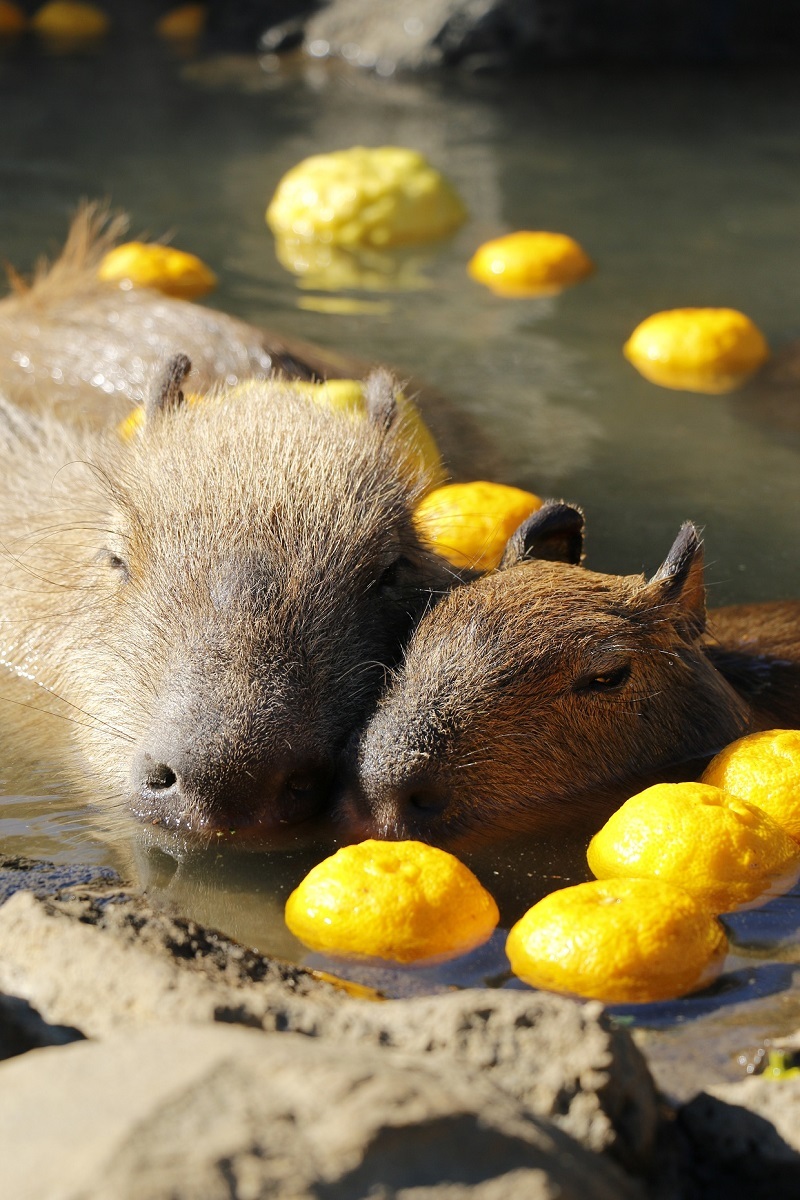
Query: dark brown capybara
{"type": "Point", "coordinates": [209, 607]}
{"type": "Point", "coordinates": [85, 350]}
{"type": "Point", "coordinates": [542, 695]}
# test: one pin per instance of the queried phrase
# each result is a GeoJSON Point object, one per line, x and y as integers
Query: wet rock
{"type": "Point", "coordinates": [745, 1139]}
{"type": "Point", "coordinates": [99, 964]}
{"type": "Point", "coordinates": [421, 34]}
{"type": "Point", "coordinates": [176, 1113]}
{"type": "Point", "coordinates": [18, 873]}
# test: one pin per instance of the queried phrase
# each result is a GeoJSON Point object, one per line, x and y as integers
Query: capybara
{"type": "Point", "coordinates": [210, 606]}
{"type": "Point", "coordinates": [85, 350]}
{"type": "Point", "coordinates": [542, 695]}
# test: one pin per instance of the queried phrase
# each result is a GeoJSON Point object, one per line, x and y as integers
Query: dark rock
{"type": "Point", "coordinates": [745, 1140]}
{"type": "Point", "coordinates": [18, 873]}
{"type": "Point", "coordinates": [22, 1029]}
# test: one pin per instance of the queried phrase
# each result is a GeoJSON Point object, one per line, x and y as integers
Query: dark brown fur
{"type": "Point", "coordinates": [544, 694]}
{"type": "Point", "coordinates": [215, 600]}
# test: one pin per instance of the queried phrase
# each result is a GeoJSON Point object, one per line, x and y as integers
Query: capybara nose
{"type": "Point", "coordinates": [199, 795]}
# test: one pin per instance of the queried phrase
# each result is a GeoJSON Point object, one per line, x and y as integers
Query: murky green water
{"type": "Point", "coordinates": [684, 189]}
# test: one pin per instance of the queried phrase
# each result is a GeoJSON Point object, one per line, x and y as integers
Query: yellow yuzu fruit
{"type": "Point", "coordinates": [404, 901]}
{"type": "Point", "coordinates": [530, 263]}
{"type": "Point", "coordinates": [68, 20]}
{"type": "Point", "coordinates": [619, 940]}
{"type": "Point", "coordinates": [12, 18]}
{"type": "Point", "coordinates": [149, 264]}
{"type": "Point", "coordinates": [470, 523]}
{"type": "Point", "coordinates": [182, 23]}
{"type": "Point", "coordinates": [763, 768]}
{"type": "Point", "coordinates": [383, 196]}
{"type": "Point", "coordinates": [697, 349]}
{"type": "Point", "coordinates": [724, 851]}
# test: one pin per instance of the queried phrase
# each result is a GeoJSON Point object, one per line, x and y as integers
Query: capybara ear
{"type": "Point", "coordinates": [678, 583]}
{"type": "Point", "coordinates": [167, 392]}
{"type": "Point", "coordinates": [554, 532]}
{"type": "Point", "coordinates": [380, 393]}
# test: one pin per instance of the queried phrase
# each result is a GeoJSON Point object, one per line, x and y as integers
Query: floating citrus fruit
{"type": "Point", "coordinates": [386, 196]}
{"type": "Point", "coordinates": [149, 264]}
{"type": "Point", "coordinates": [763, 768]}
{"type": "Point", "coordinates": [183, 23]}
{"type": "Point", "coordinates": [404, 901]}
{"type": "Point", "coordinates": [530, 263]}
{"type": "Point", "coordinates": [618, 940]}
{"type": "Point", "coordinates": [63, 19]}
{"type": "Point", "coordinates": [470, 523]}
{"type": "Point", "coordinates": [12, 19]}
{"type": "Point", "coordinates": [724, 851]}
{"type": "Point", "coordinates": [697, 349]}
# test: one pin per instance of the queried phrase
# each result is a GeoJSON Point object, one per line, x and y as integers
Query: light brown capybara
{"type": "Point", "coordinates": [207, 610]}
{"type": "Point", "coordinates": [542, 695]}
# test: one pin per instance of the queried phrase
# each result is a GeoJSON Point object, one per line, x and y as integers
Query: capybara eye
{"type": "Point", "coordinates": [607, 681]}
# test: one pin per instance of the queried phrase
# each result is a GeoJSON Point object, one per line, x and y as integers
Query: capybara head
{"type": "Point", "coordinates": [218, 599]}
{"type": "Point", "coordinates": [527, 695]}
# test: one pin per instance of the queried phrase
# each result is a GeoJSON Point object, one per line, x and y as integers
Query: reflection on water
{"type": "Point", "coordinates": [681, 187]}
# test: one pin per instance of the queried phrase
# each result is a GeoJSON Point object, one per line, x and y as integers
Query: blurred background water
{"type": "Point", "coordinates": [683, 186]}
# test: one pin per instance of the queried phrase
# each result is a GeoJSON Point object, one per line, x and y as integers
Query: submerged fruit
{"type": "Point", "coordinates": [530, 263]}
{"type": "Point", "coordinates": [619, 940]}
{"type": "Point", "coordinates": [470, 523]}
{"type": "Point", "coordinates": [404, 901]}
{"type": "Point", "coordinates": [724, 851]}
{"type": "Point", "coordinates": [149, 264]}
{"type": "Point", "coordinates": [697, 349]}
{"type": "Point", "coordinates": [386, 196]}
{"type": "Point", "coordinates": [763, 768]}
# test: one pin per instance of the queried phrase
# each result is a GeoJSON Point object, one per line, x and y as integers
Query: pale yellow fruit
{"type": "Point", "coordinates": [763, 768]}
{"type": "Point", "coordinates": [530, 263]}
{"type": "Point", "coordinates": [149, 264]}
{"type": "Point", "coordinates": [383, 196]}
{"type": "Point", "coordinates": [404, 901]}
{"type": "Point", "coordinates": [722, 850]}
{"type": "Point", "coordinates": [710, 350]}
{"type": "Point", "coordinates": [67, 20]}
{"type": "Point", "coordinates": [470, 523]}
{"type": "Point", "coordinates": [183, 23]}
{"type": "Point", "coordinates": [619, 940]}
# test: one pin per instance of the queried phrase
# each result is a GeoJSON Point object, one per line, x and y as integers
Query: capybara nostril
{"type": "Point", "coordinates": [161, 778]}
